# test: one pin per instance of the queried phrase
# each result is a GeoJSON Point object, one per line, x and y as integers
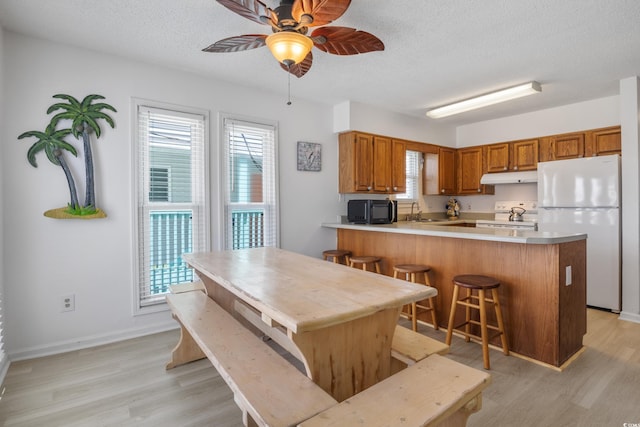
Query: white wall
{"type": "Point", "coordinates": [4, 362]}
{"type": "Point", "coordinates": [366, 118]}
{"type": "Point", "coordinates": [592, 114]}
{"type": "Point", "coordinates": [47, 258]}
{"type": "Point", "coordinates": [630, 121]}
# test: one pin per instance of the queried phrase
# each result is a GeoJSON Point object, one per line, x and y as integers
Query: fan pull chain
{"type": "Point", "coordinates": [288, 84]}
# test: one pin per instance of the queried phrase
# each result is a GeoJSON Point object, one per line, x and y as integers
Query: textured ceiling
{"type": "Point", "coordinates": [435, 51]}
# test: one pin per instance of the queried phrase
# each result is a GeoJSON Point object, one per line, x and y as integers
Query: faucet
{"type": "Point", "coordinates": [411, 217]}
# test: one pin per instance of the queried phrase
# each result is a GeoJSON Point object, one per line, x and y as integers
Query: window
{"type": "Point", "coordinates": [413, 159]}
{"type": "Point", "coordinates": [171, 198]}
{"type": "Point", "coordinates": [250, 171]}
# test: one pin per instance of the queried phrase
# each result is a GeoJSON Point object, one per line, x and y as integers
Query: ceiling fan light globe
{"type": "Point", "coordinates": [289, 47]}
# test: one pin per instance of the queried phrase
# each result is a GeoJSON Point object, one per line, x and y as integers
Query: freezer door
{"type": "Point", "coordinates": [586, 182]}
{"type": "Point", "coordinates": [602, 227]}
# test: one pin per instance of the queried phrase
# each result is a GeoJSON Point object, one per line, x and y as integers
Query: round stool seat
{"type": "Point", "coordinates": [337, 255]}
{"type": "Point", "coordinates": [365, 260]}
{"type": "Point", "coordinates": [411, 268]}
{"type": "Point", "coordinates": [474, 281]}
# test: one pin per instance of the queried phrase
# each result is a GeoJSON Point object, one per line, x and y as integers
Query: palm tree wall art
{"type": "Point", "coordinates": [84, 117]}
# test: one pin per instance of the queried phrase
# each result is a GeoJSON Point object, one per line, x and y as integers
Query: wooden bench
{"type": "Point", "coordinates": [268, 389]}
{"type": "Point", "coordinates": [409, 347]}
{"type": "Point", "coordinates": [435, 391]}
{"type": "Point", "coordinates": [429, 391]}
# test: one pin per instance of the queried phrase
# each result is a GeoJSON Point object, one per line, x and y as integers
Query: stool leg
{"type": "Point", "coordinates": [467, 317]}
{"type": "Point", "coordinates": [377, 264]}
{"type": "Point", "coordinates": [452, 314]}
{"type": "Point", "coordinates": [414, 317]}
{"type": "Point", "coordinates": [503, 334]}
{"type": "Point", "coordinates": [483, 328]}
{"type": "Point", "coordinates": [432, 306]}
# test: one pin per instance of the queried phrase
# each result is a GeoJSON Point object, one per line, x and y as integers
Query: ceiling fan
{"type": "Point", "coordinates": [290, 22]}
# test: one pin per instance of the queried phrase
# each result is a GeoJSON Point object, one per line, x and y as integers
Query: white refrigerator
{"type": "Point", "coordinates": [583, 196]}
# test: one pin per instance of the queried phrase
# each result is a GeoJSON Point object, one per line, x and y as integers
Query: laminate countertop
{"type": "Point", "coordinates": [458, 230]}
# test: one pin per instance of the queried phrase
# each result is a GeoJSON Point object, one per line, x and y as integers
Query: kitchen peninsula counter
{"type": "Point", "coordinates": [542, 275]}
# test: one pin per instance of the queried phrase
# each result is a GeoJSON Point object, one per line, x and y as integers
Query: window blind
{"type": "Point", "coordinates": [413, 159]}
{"type": "Point", "coordinates": [251, 199]}
{"type": "Point", "coordinates": [171, 196]}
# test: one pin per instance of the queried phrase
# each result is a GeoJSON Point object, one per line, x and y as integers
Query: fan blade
{"type": "Point", "coordinates": [345, 41]}
{"type": "Point", "coordinates": [254, 10]}
{"type": "Point", "coordinates": [322, 11]}
{"type": "Point", "coordinates": [300, 69]}
{"type": "Point", "coordinates": [237, 43]}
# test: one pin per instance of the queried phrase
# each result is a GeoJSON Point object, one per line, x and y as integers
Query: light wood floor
{"type": "Point", "coordinates": [125, 384]}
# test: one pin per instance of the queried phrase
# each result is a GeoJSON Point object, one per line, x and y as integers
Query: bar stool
{"type": "Point", "coordinates": [337, 255]}
{"type": "Point", "coordinates": [481, 284]}
{"type": "Point", "coordinates": [412, 270]}
{"type": "Point", "coordinates": [355, 261]}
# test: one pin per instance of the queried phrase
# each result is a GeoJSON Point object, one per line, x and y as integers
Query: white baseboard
{"type": "Point", "coordinates": [91, 341]}
{"type": "Point", "coordinates": [4, 367]}
{"type": "Point", "coordinates": [630, 317]}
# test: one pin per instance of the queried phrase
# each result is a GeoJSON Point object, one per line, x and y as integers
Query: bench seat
{"type": "Point", "coordinates": [433, 392]}
{"type": "Point", "coordinates": [266, 386]}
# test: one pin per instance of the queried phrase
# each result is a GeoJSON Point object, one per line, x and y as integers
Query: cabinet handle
{"type": "Point", "coordinates": [479, 190]}
{"type": "Point", "coordinates": [386, 188]}
{"type": "Point", "coordinates": [395, 188]}
{"type": "Point", "coordinates": [442, 191]}
{"type": "Point", "coordinates": [369, 188]}
{"type": "Point", "coordinates": [505, 168]}
{"type": "Point", "coordinates": [515, 168]}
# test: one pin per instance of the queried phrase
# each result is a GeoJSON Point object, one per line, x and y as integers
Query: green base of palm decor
{"type": "Point", "coordinates": [63, 213]}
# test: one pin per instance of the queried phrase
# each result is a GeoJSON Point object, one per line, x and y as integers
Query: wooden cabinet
{"type": "Point", "coordinates": [524, 155]}
{"type": "Point", "coordinates": [601, 142]}
{"type": "Point", "coordinates": [371, 163]}
{"type": "Point", "coordinates": [470, 169]}
{"type": "Point", "coordinates": [498, 157]}
{"type": "Point", "coordinates": [596, 142]}
{"type": "Point", "coordinates": [447, 170]}
{"type": "Point", "coordinates": [561, 147]}
{"type": "Point", "coordinates": [512, 156]}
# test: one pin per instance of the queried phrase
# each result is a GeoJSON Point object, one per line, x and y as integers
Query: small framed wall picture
{"type": "Point", "coordinates": [309, 156]}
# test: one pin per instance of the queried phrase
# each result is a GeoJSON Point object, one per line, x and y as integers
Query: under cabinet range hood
{"type": "Point", "coordinates": [509, 178]}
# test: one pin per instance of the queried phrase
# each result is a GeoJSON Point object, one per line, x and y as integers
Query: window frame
{"type": "Point", "coordinates": [177, 110]}
{"type": "Point", "coordinates": [224, 216]}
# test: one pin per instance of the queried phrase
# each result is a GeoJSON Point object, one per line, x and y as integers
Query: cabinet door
{"type": "Point", "coordinates": [398, 166]}
{"type": "Point", "coordinates": [447, 170]}
{"type": "Point", "coordinates": [469, 170]}
{"type": "Point", "coordinates": [525, 155]}
{"type": "Point", "coordinates": [602, 142]}
{"type": "Point", "coordinates": [498, 157]}
{"type": "Point", "coordinates": [356, 162]}
{"type": "Point", "coordinates": [382, 154]}
{"type": "Point", "coordinates": [569, 146]}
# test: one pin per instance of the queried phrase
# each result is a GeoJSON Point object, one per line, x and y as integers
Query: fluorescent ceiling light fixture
{"type": "Point", "coordinates": [485, 100]}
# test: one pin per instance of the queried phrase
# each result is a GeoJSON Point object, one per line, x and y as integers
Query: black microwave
{"type": "Point", "coordinates": [372, 211]}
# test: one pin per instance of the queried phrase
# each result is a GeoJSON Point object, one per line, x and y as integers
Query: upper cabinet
{"type": "Point", "coordinates": [446, 170]}
{"type": "Point", "coordinates": [601, 142]}
{"type": "Point", "coordinates": [524, 155]}
{"type": "Point", "coordinates": [371, 164]}
{"type": "Point", "coordinates": [512, 156]}
{"type": "Point", "coordinates": [596, 142]}
{"type": "Point", "coordinates": [560, 147]}
{"type": "Point", "coordinates": [498, 157]}
{"type": "Point", "coordinates": [470, 169]}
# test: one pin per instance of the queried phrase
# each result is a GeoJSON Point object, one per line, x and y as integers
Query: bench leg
{"type": "Point", "coordinates": [185, 351]}
{"type": "Point", "coordinates": [460, 417]}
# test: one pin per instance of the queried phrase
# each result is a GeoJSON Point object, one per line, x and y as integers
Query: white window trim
{"type": "Point", "coordinates": [173, 108]}
{"type": "Point", "coordinates": [219, 238]}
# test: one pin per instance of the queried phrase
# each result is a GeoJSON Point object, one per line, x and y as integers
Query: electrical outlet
{"type": "Point", "coordinates": [567, 278]}
{"type": "Point", "coordinates": [67, 303]}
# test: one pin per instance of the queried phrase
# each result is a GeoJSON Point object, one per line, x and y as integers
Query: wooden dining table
{"type": "Point", "coordinates": [339, 321]}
